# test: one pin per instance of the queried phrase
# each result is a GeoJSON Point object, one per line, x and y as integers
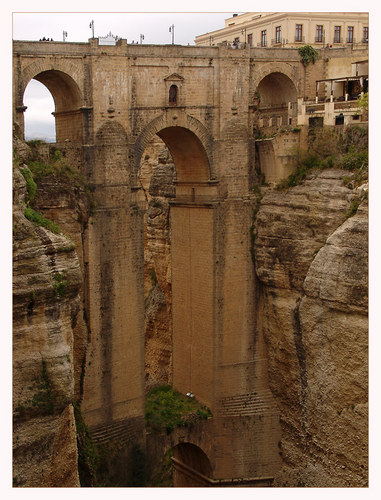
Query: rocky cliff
{"type": "Point", "coordinates": [311, 260]}
{"type": "Point", "coordinates": [157, 175]}
{"type": "Point", "coordinates": [311, 257]}
{"type": "Point", "coordinates": [47, 280]}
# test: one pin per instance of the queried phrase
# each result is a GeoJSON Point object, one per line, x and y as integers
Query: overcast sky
{"type": "Point", "coordinates": [154, 26]}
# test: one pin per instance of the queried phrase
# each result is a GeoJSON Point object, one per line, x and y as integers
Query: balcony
{"type": "Point", "coordinates": [276, 41]}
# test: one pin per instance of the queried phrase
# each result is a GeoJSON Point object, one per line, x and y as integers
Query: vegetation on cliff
{"type": "Point", "coordinates": [56, 167]}
{"type": "Point", "coordinates": [167, 409]}
{"type": "Point", "coordinates": [332, 148]}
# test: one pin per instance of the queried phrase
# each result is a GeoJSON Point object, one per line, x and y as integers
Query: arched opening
{"type": "Point", "coordinates": [39, 119]}
{"type": "Point", "coordinates": [277, 98]}
{"type": "Point", "coordinates": [67, 105]}
{"type": "Point", "coordinates": [179, 258]}
{"type": "Point", "coordinates": [189, 156]}
{"type": "Point", "coordinates": [276, 89]}
{"type": "Point", "coordinates": [191, 466]}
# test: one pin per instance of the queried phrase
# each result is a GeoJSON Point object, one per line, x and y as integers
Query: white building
{"type": "Point", "coordinates": [292, 29]}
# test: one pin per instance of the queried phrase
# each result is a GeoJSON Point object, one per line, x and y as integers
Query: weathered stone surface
{"type": "Point", "coordinates": [292, 226]}
{"type": "Point", "coordinates": [110, 103]}
{"type": "Point", "coordinates": [157, 175]}
{"type": "Point", "coordinates": [66, 202]}
{"type": "Point", "coordinates": [316, 329]}
{"type": "Point", "coordinates": [44, 316]}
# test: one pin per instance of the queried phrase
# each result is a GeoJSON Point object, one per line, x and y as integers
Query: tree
{"type": "Point", "coordinates": [308, 54]}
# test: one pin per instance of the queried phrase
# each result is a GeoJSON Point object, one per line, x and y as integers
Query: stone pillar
{"type": "Point", "coordinates": [193, 261]}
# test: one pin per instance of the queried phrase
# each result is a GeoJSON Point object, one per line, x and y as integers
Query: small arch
{"type": "Point", "coordinates": [276, 89]}
{"type": "Point", "coordinates": [192, 466]}
{"type": "Point", "coordinates": [173, 95]}
{"type": "Point", "coordinates": [285, 69]}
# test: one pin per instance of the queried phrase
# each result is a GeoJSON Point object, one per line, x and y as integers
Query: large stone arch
{"type": "Point", "coordinates": [188, 140]}
{"type": "Point", "coordinates": [64, 83]}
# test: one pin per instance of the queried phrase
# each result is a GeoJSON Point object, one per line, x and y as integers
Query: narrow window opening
{"type": "Point", "coordinates": [173, 94]}
{"type": "Point", "coordinates": [299, 33]}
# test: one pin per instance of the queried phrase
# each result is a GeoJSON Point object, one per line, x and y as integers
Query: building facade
{"type": "Point", "coordinates": [292, 29]}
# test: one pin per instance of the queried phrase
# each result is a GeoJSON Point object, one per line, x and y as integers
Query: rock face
{"type": "Point", "coordinates": [157, 176]}
{"type": "Point", "coordinates": [46, 302]}
{"type": "Point", "coordinates": [312, 263]}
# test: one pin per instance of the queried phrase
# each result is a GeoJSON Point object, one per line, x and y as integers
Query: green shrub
{"type": "Point", "coordinates": [352, 208]}
{"type": "Point", "coordinates": [308, 55]}
{"type": "Point", "coordinates": [354, 159]}
{"type": "Point", "coordinates": [40, 220]}
{"type": "Point", "coordinates": [59, 284]}
{"type": "Point", "coordinates": [31, 186]}
{"type": "Point", "coordinates": [167, 409]}
{"type": "Point", "coordinates": [59, 167]}
{"type": "Point", "coordinates": [44, 398]}
{"type": "Point", "coordinates": [88, 453]}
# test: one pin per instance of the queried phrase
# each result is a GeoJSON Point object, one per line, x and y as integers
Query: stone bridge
{"type": "Point", "coordinates": [110, 101]}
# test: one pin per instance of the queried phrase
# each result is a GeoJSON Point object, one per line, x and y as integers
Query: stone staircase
{"type": "Point", "coordinates": [121, 431]}
{"type": "Point", "coordinates": [253, 403]}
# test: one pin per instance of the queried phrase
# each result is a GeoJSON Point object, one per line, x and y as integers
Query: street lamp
{"type": "Point", "coordinates": [243, 32]}
{"type": "Point", "coordinates": [141, 38]}
{"type": "Point", "coordinates": [64, 35]}
{"type": "Point", "coordinates": [92, 27]}
{"type": "Point", "coordinates": [172, 30]}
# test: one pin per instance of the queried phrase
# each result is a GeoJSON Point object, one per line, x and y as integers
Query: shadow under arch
{"type": "Point", "coordinates": [67, 100]}
{"type": "Point", "coordinates": [276, 89]}
{"type": "Point", "coordinates": [191, 466]}
{"type": "Point", "coordinates": [189, 143]}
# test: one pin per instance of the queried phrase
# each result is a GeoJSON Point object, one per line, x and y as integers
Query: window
{"type": "Point", "coordinates": [350, 34]}
{"type": "Point", "coordinates": [319, 33]}
{"type": "Point", "coordinates": [339, 120]}
{"type": "Point", "coordinates": [278, 34]}
{"type": "Point", "coordinates": [250, 40]}
{"type": "Point", "coordinates": [337, 36]}
{"type": "Point", "coordinates": [173, 94]}
{"type": "Point", "coordinates": [299, 33]}
{"type": "Point", "coordinates": [365, 34]}
{"type": "Point", "coordinates": [263, 38]}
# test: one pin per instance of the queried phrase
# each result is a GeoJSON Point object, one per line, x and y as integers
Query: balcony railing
{"type": "Point", "coordinates": [299, 39]}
